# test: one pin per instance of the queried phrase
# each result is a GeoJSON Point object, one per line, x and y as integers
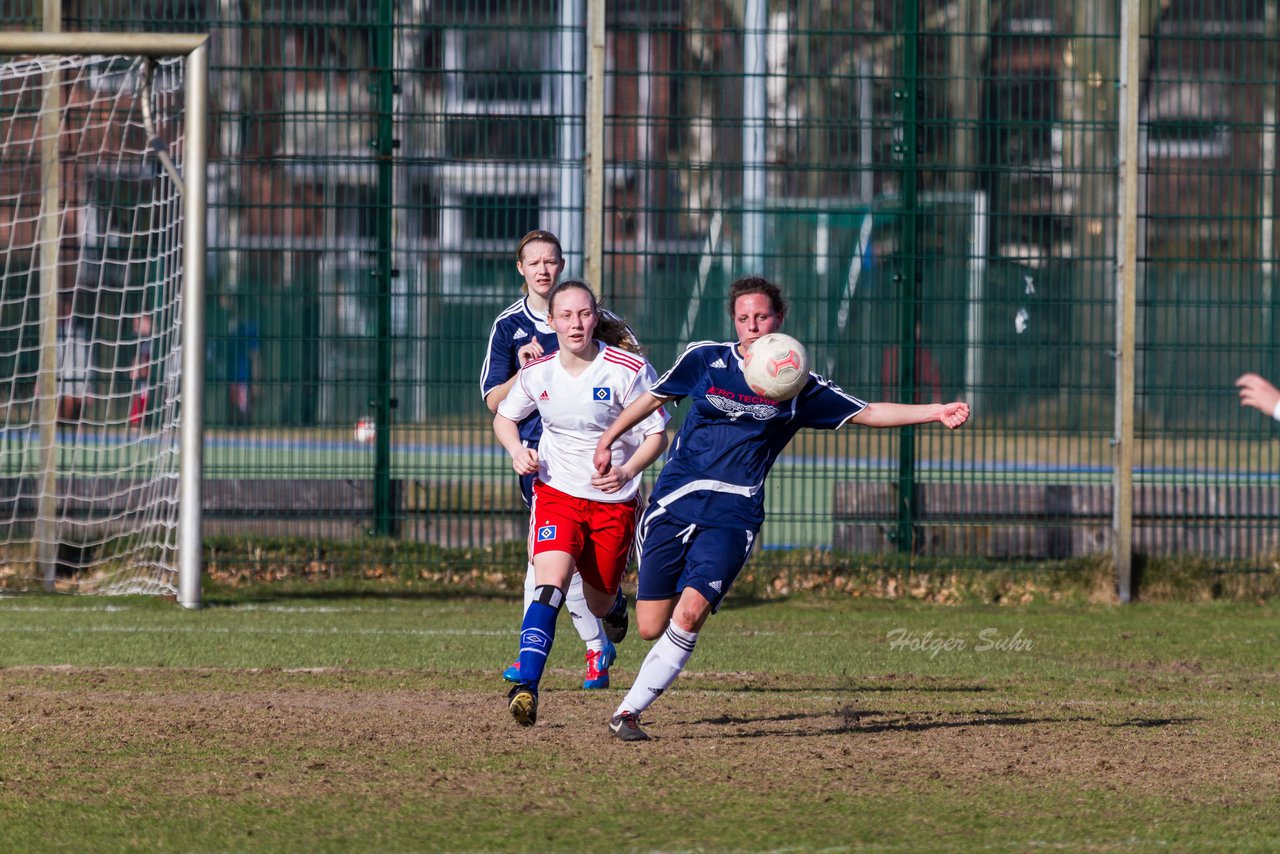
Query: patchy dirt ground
{"type": "Point", "coordinates": [829, 758]}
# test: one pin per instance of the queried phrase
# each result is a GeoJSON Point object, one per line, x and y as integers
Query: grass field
{"type": "Point", "coordinates": [349, 723]}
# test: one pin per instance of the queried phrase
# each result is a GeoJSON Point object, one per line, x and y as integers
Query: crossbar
{"type": "Point", "coordinates": [135, 44]}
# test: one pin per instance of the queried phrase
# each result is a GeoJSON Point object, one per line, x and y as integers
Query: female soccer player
{"type": "Point", "coordinates": [581, 521]}
{"type": "Point", "coordinates": [520, 333]}
{"type": "Point", "coordinates": [708, 503]}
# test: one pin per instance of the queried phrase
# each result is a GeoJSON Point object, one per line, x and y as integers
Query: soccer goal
{"type": "Point", "coordinates": [102, 224]}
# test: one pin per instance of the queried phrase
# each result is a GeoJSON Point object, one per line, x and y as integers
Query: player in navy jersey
{"type": "Point", "coordinates": [708, 503]}
{"type": "Point", "coordinates": [581, 522]}
{"type": "Point", "coordinates": [520, 333]}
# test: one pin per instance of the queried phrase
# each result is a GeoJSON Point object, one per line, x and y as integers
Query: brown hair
{"type": "Point", "coordinates": [538, 236]}
{"type": "Point", "coordinates": [610, 328]}
{"type": "Point", "coordinates": [758, 285]}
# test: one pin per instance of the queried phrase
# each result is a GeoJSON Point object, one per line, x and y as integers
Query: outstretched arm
{"type": "Point", "coordinates": [640, 409]}
{"type": "Point", "coordinates": [1258, 393]}
{"type": "Point", "coordinates": [950, 415]}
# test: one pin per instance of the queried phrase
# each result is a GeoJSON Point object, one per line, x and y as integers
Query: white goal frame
{"type": "Point", "coordinates": [193, 49]}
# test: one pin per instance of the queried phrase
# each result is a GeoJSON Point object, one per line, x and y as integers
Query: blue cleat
{"type": "Point", "coordinates": [512, 673]}
{"type": "Point", "coordinates": [608, 655]}
{"type": "Point", "coordinates": [598, 664]}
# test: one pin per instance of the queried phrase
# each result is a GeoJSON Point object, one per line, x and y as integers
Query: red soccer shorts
{"type": "Point", "coordinates": [597, 534]}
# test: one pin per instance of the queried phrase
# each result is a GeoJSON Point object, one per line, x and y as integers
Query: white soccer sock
{"type": "Point", "coordinates": [661, 666]}
{"type": "Point", "coordinates": [589, 627]}
{"type": "Point", "coordinates": [530, 582]}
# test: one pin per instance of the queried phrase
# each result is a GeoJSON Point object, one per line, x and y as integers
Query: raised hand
{"type": "Point", "coordinates": [954, 414]}
{"type": "Point", "coordinates": [1258, 393]}
{"type": "Point", "coordinates": [529, 352]}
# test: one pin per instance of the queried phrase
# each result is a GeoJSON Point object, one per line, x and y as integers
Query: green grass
{"type": "Point", "coordinates": [360, 722]}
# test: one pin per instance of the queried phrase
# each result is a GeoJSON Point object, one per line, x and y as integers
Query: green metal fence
{"type": "Point", "coordinates": [935, 185]}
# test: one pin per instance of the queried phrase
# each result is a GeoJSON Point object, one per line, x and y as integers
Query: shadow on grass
{"type": "Point", "coordinates": [816, 684]}
{"type": "Point", "coordinates": [982, 721]}
{"type": "Point", "coordinates": [1155, 722]}
{"type": "Point", "coordinates": [852, 721]}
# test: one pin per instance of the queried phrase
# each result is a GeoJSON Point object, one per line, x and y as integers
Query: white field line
{"type": "Point", "coordinates": [226, 630]}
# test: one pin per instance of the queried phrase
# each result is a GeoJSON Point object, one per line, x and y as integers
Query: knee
{"type": "Point", "coordinates": [689, 616]}
{"type": "Point", "coordinates": [651, 629]}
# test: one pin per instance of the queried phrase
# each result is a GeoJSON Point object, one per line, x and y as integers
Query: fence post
{"type": "Point", "coordinates": [593, 201]}
{"type": "Point", "coordinates": [909, 296]}
{"type": "Point", "coordinates": [385, 146]}
{"type": "Point", "coordinates": [1126, 298]}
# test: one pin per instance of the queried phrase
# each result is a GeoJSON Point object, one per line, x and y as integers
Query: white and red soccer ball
{"type": "Point", "coordinates": [366, 430]}
{"type": "Point", "coordinates": [776, 366]}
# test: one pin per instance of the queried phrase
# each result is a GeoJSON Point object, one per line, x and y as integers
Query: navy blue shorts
{"type": "Point", "coordinates": [675, 555]}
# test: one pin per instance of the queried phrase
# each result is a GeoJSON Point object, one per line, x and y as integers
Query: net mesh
{"type": "Point", "coordinates": [90, 306]}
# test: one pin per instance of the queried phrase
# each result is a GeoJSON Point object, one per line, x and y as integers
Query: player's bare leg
{"type": "Point", "coordinates": [675, 624]}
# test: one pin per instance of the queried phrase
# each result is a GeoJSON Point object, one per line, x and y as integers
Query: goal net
{"type": "Point", "coordinates": [98, 170]}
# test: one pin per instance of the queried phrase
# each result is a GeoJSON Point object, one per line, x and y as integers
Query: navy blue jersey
{"type": "Point", "coordinates": [514, 327]}
{"type": "Point", "coordinates": [715, 470]}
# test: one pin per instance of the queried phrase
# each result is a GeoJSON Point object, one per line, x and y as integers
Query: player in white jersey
{"type": "Point", "coordinates": [520, 333]}
{"type": "Point", "coordinates": [708, 504]}
{"type": "Point", "coordinates": [581, 520]}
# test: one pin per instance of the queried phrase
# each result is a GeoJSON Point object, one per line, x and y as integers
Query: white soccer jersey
{"type": "Point", "coordinates": [577, 410]}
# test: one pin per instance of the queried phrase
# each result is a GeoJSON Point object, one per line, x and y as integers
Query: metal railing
{"type": "Point", "coordinates": [938, 187]}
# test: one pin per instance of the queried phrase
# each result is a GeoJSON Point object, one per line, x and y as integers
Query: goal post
{"type": "Point", "coordinates": [102, 230]}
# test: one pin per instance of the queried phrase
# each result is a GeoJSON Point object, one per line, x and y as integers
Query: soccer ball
{"type": "Point", "coordinates": [776, 367]}
{"type": "Point", "coordinates": [366, 430]}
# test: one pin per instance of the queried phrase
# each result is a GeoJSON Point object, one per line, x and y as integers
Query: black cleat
{"type": "Point", "coordinates": [616, 621]}
{"type": "Point", "coordinates": [626, 726]}
{"type": "Point", "coordinates": [522, 702]}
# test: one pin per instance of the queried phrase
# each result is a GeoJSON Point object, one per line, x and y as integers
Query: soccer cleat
{"type": "Point", "coordinates": [608, 655]}
{"type": "Point", "coordinates": [512, 673]}
{"type": "Point", "coordinates": [626, 726]}
{"type": "Point", "coordinates": [616, 621]}
{"type": "Point", "coordinates": [598, 666]}
{"type": "Point", "coordinates": [522, 702]}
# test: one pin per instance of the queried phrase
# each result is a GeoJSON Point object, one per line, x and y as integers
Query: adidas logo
{"type": "Point", "coordinates": [544, 395]}
{"type": "Point", "coordinates": [715, 585]}
{"type": "Point", "coordinates": [719, 363]}
{"type": "Point", "coordinates": [657, 692]}
{"type": "Point", "coordinates": [520, 333]}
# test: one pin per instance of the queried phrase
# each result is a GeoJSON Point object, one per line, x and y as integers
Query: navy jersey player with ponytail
{"type": "Point", "coordinates": [707, 505]}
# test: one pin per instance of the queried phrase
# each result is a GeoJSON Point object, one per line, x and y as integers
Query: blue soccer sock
{"type": "Point", "coordinates": [538, 631]}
